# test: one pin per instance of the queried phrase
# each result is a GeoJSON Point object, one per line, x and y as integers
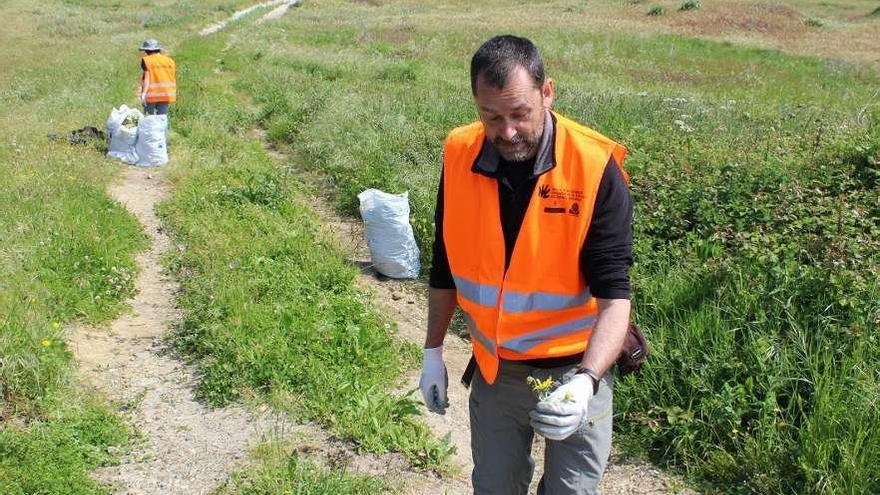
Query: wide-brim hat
{"type": "Point", "coordinates": [150, 44]}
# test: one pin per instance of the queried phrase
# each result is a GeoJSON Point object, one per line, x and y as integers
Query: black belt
{"type": "Point", "coordinates": [554, 362]}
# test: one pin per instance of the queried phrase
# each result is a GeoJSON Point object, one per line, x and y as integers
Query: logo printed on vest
{"type": "Point", "coordinates": [574, 210]}
{"type": "Point", "coordinates": [548, 192]}
{"type": "Point", "coordinates": [544, 191]}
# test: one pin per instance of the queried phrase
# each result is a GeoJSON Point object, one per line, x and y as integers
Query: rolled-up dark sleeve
{"type": "Point", "coordinates": [440, 276]}
{"type": "Point", "coordinates": [606, 255]}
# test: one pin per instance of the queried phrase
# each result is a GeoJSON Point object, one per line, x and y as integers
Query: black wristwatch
{"type": "Point", "coordinates": [593, 376]}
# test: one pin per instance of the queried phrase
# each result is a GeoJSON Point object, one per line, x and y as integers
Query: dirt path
{"type": "Point", "coordinates": [405, 301]}
{"type": "Point", "coordinates": [186, 447]}
{"type": "Point", "coordinates": [281, 7]}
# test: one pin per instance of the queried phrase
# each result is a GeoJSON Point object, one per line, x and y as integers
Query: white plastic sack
{"type": "Point", "coordinates": [150, 146]}
{"type": "Point", "coordinates": [117, 115]}
{"type": "Point", "coordinates": [122, 138]}
{"type": "Point", "coordinates": [389, 233]}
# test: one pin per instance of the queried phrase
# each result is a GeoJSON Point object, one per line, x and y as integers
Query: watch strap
{"type": "Point", "coordinates": [592, 374]}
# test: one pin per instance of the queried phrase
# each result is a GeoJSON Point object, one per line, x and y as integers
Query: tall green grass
{"type": "Point", "coordinates": [270, 305]}
{"type": "Point", "coordinates": [755, 176]}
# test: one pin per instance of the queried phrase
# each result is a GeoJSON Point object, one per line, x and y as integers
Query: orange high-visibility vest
{"type": "Point", "coordinates": [540, 307]}
{"type": "Point", "coordinates": [162, 72]}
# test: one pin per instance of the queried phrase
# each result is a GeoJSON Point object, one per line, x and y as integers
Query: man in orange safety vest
{"type": "Point", "coordinates": [533, 242]}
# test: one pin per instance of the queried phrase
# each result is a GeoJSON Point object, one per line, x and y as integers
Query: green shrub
{"type": "Point", "coordinates": [690, 5]}
{"type": "Point", "coordinates": [656, 10]}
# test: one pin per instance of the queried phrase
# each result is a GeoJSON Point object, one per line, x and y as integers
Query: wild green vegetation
{"type": "Point", "coordinates": [270, 304]}
{"type": "Point", "coordinates": [66, 249]}
{"type": "Point", "coordinates": [278, 472]}
{"type": "Point", "coordinates": [755, 176]}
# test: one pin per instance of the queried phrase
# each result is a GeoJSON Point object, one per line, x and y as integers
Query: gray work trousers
{"type": "Point", "coordinates": [159, 108]}
{"type": "Point", "coordinates": [155, 108]}
{"type": "Point", "coordinates": [501, 437]}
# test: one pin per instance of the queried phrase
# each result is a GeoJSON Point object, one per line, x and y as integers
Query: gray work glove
{"type": "Point", "coordinates": [434, 380]}
{"type": "Point", "coordinates": [563, 411]}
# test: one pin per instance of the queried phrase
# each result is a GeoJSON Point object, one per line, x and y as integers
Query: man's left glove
{"type": "Point", "coordinates": [563, 411]}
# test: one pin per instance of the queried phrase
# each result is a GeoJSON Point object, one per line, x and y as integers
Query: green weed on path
{"type": "Point", "coordinates": [757, 223]}
{"type": "Point", "coordinates": [281, 472]}
{"type": "Point", "coordinates": [270, 306]}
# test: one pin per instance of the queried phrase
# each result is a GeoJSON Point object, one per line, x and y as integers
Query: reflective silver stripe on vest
{"type": "Point", "coordinates": [163, 84]}
{"type": "Point", "coordinates": [525, 342]}
{"type": "Point", "coordinates": [523, 302]}
{"type": "Point", "coordinates": [156, 95]}
{"type": "Point", "coordinates": [484, 295]}
{"type": "Point", "coordinates": [486, 342]}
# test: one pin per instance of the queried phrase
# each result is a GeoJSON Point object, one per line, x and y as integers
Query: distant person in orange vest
{"type": "Point", "coordinates": [533, 242]}
{"type": "Point", "coordinates": [158, 79]}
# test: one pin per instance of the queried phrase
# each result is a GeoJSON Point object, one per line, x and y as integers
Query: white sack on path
{"type": "Point", "coordinates": [150, 145]}
{"type": "Point", "coordinates": [122, 138]}
{"type": "Point", "coordinates": [389, 234]}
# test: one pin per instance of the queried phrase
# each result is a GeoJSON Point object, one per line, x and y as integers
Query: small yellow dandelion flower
{"type": "Point", "coordinates": [56, 325]}
{"type": "Point", "coordinates": [540, 388]}
{"type": "Point", "coordinates": [46, 342]}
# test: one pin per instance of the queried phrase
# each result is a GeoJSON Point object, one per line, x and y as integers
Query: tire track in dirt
{"type": "Point", "coordinates": [186, 447]}
{"type": "Point", "coordinates": [281, 7]}
{"type": "Point", "coordinates": [406, 302]}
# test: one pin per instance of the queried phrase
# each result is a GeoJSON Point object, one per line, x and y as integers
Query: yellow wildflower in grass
{"type": "Point", "coordinates": [46, 342]}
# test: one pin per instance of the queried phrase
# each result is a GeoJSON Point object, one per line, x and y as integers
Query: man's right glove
{"type": "Point", "coordinates": [434, 380]}
{"type": "Point", "coordinates": [564, 410]}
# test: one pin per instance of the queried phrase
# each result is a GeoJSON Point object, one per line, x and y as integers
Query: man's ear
{"type": "Point", "coordinates": [547, 93]}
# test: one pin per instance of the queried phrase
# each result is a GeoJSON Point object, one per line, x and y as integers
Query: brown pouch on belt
{"type": "Point", "coordinates": [635, 351]}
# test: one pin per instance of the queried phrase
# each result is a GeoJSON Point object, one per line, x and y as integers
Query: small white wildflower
{"type": "Point", "coordinates": [682, 125]}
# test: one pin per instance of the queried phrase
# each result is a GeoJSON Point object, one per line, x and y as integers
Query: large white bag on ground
{"type": "Point", "coordinates": [123, 138]}
{"type": "Point", "coordinates": [150, 146]}
{"type": "Point", "coordinates": [389, 233]}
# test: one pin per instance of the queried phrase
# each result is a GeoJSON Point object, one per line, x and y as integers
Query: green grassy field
{"type": "Point", "coordinates": [67, 250]}
{"type": "Point", "coordinates": [755, 175]}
